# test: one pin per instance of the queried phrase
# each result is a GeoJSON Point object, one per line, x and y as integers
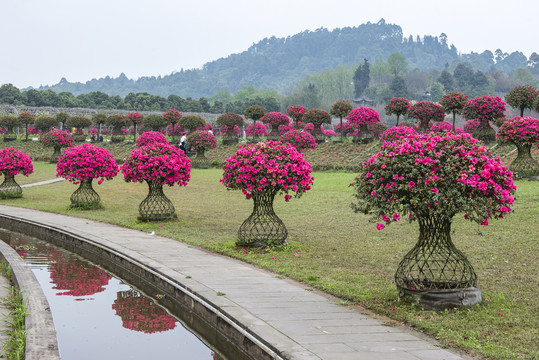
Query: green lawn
{"type": "Point", "coordinates": [342, 253]}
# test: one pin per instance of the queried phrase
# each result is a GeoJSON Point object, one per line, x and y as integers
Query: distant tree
{"type": "Point", "coordinates": [341, 109]}
{"type": "Point", "coordinates": [45, 123]}
{"type": "Point", "coordinates": [217, 107]}
{"type": "Point", "coordinates": [9, 94]}
{"type": "Point", "coordinates": [522, 97]}
{"type": "Point", "coordinates": [463, 75]}
{"type": "Point", "coordinates": [62, 117]}
{"type": "Point", "coordinates": [453, 103]}
{"type": "Point", "coordinates": [397, 106]}
{"type": "Point", "coordinates": [447, 80]}
{"type": "Point", "coordinates": [398, 87]}
{"type": "Point", "coordinates": [436, 90]}
{"type": "Point", "coordinates": [361, 78]}
{"type": "Point", "coordinates": [398, 66]}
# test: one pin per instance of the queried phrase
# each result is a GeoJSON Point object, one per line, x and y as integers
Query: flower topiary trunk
{"type": "Point", "coordinates": [9, 188]}
{"type": "Point", "coordinates": [85, 197]}
{"type": "Point", "coordinates": [156, 206]}
{"type": "Point", "coordinates": [524, 166]}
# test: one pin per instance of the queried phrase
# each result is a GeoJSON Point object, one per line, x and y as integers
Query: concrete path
{"type": "Point", "coordinates": [301, 324]}
{"type": "Point", "coordinates": [44, 182]}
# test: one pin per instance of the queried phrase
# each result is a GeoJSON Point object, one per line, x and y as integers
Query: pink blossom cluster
{"type": "Point", "coordinates": [299, 139]}
{"type": "Point", "coordinates": [260, 130]}
{"type": "Point", "coordinates": [172, 116]}
{"type": "Point", "coordinates": [151, 137]}
{"type": "Point", "coordinates": [33, 131]}
{"type": "Point", "coordinates": [2, 130]}
{"type": "Point", "coordinates": [398, 106]}
{"type": "Point", "coordinates": [519, 130]}
{"type": "Point", "coordinates": [397, 132]}
{"type": "Point", "coordinates": [341, 108]}
{"type": "Point", "coordinates": [441, 126]}
{"type": "Point", "coordinates": [328, 133]}
{"type": "Point", "coordinates": [425, 111]}
{"type": "Point", "coordinates": [104, 131]}
{"type": "Point", "coordinates": [296, 112]}
{"type": "Point", "coordinates": [453, 102]}
{"type": "Point", "coordinates": [86, 161]}
{"type": "Point", "coordinates": [207, 127]}
{"type": "Point", "coordinates": [348, 128]}
{"type": "Point", "coordinates": [174, 130]}
{"type": "Point", "coordinates": [201, 140]}
{"type": "Point", "coordinates": [471, 126]}
{"type": "Point", "coordinates": [283, 129]}
{"type": "Point", "coordinates": [376, 129]}
{"type": "Point", "coordinates": [54, 138]}
{"type": "Point", "coordinates": [92, 131]}
{"type": "Point", "coordinates": [13, 162]}
{"type": "Point", "coordinates": [438, 175]}
{"type": "Point", "coordinates": [268, 166]}
{"type": "Point", "coordinates": [309, 128]}
{"type": "Point", "coordinates": [484, 108]}
{"type": "Point", "coordinates": [157, 162]}
{"type": "Point", "coordinates": [26, 117]}
{"type": "Point", "coordinates": [275, 119]}
{"type": "Point", "coordinates": [225, 130]}
{"type": "Point", "coordinates": [363, 116]}
{"type": "Point", "coordinates": [135, 117]}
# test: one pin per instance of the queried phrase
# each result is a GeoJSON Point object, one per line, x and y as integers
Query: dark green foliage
{"type": "Point", "coordinates": [78, 122]}
{"type": "Point", "coordinates": [45, 123]}
{"type": "Point", "coordinates": [62, 117]}
{"type": "Point", "coordinates": [154, 121]}
{"type": "Point", "coordinates": [191, 122]}
{"type": "Point", "coordinates": [361, 78]}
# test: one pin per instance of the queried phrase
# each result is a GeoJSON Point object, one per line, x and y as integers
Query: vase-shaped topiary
{"type": "Point", "coordinates": [341, 109]}
{"type": "Point", "coordinates": [157, 165]}
{"type": "Point", "coordinates": [432, 178]}
{"type": "Point", "coordinates": [228, 122]}
{"type": "Point", "coordinates": [453, 103]}
{"type": "Point", "coordinates": [57, 139]}
{"type": "Point", "coordinates": [360, 118]}
{"type": "Point", "coordinates": [484, 109]}
{"type": "Point", "coordinates": [425, 112]}
{"type": "Point", "coordinates": [523, 132]}
{"type": "Point", "coordinates": [13, 162]}
{"type": "Point", "coordinates": [397, 106]}
{"type": "Point", "coordinates": [80, 165]}
{"type": "Point", "coordinates": [262, 171]}
{"type": "Point", "coordinates": [200, 141]}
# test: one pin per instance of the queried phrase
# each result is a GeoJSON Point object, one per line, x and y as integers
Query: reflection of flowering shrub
{"type": "Point", "coordinates": [201, 140]}
{"type": "Point", "coordinates": [139, 313]}
{"type": "Point", "coordinates": [299, 139]}
{"type": "Point", "coordinates": [57, 138]}
{"type": "Point", "coordinates": [397, 132]}
{"type": "Point", "coordinates": [75, 277]}
{"type": "Point", "coordinates": [271, 166]}
{"type": "Point", "coordinates": [260, 130]}
{"type": "Point", "coordinates": [160, 162]}
{"type": "Point", "coordinates": [434, 175]}
{"type": "Point", "coordinates": [151, 137]}
{"type": "Point", "coordinates": [519, 131]}
{"type": "Point", "coordinates": [442, 126]}
{"type": "Point", "coordinates": [86, 161]}
{"type": "Point", "coordinates": [13, 162]}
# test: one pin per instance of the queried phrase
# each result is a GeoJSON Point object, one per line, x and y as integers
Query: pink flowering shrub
{"type": "Point", "coordinates": [363, 116]}
{"type": "Point", "coordinates": [522, 97]}
{"type": "Point", "coordinates": [57, 138]}
{"type": "Point", "coordinates": [453, 103]}
{"type": "Point", "coordinates": [157, 162]}
{"type": "Point", "coordinates": [86, 161]}
{"type": "Point", "coordinates": [519, 131]}
{"type": "Point", "coordinates": [172, 116]}
{"type": "Point", "coordinates": [135, 118]}
{"type": "Point", "coordinates": [174, 130]}
{"type": "Point", "coordinates": [377, 128]}
{"type": "Point", "coordinates": [2, 130]}
{"type": "Point", "coordinates": [92, 131]}
{"type": "Point", "coordinates": [13, 162]}
{"type": "Point", "coordinates": [230, 120]}
{"type": "Point", "coordinates": [459, 130]}
{"type": "Point", "coordinates": [105, 132]}
{"type": "Point", "coordinates": [299, 139]}
{"type": "Point", "coordinates": [201, 140]}
{"type": "Point", "coordinates": [207, 127]}
{"type": "Point", "coordinates": [275, 119]}
{"type": "Point", "coordinates": [347, 128]}
{"type": "Point", "coordinates": [33, 131]}
{"type": "Point", "coordinates": [397, 132]}
{"type": "Point", "coordinates": [484, 108]}
{"type": "Point", "coordinates": [309, 128]}
{"type": "Point", "coordinates": [270, 166]}
{"type": "Point", "coordinates": [317, 117]}
{"type": "Point", "coordinates": [296, 112]}
{"type": "Point", "coordinates": [426, 111]}
{"type": "Point", "coordinates": [226, 131]}
{"type": "Point", "coordinates": [431, 174]}
{"type": "Point", "coordinates": [397, 106]}
{"type": "Point", "coordinates": [442, 126]}
{"type": "Point", "coordinates": [329, 133]}
{"type": "Point", "coordinates": [471, 126]}
{"type": "Point", "coordinates": [151, 137]}
{"type": "Point", "coordinates": [260, 130]}
{"type": "Point", "coordinates": [283, 129]}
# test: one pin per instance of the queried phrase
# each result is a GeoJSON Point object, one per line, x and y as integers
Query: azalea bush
{"type": "Point", "coordinates": [425, 112]}
{"type": "Point", "coordinates": [162, 163]}
{"type": "Point", "coordinates": [254, 112]}
{"type": "Point", "coordinates": [86, 161]}
{"type": "Point", "coordinates": [135, 118]}
{"type": "Point", "coordinates": [317, 117]}
{"type": "Point", "coordinates": [201, 140]}
{"type": "Point", "coordinates": [299, 139]}
{"type": "Point", "coordinates": [172, 116]}
{"type": "Point", "coordinates": [33, 130]}
{"type": "Point", "coordinates": [14, 162]}
{"type": "Point", "coordinates": [275, 120]}
{"type": "Point", "coordinates": [523, 132]}
{"type": "Point", "coordinates": [347, 129]}
{"type": "Point", "coordinates": [57, 139]}
{"type": "Point", "coordinates": [442, 126]}
{"type": "Point", "coordinates": [154, 122]}
{"type": "Point", "coordinates": [226, 131]}
{"type": "Point", "coordinates": [268, 167]}
{"type": "Point", "coordinates": [329, 132]}
{"type": "Point", "coordinates": [309, 128]}
{"type": "Point", "coordinates": [377, 128]}
{"type": "Point", "coordinates": [174, 130]}
{"type": "Point", "coordinates": [522, 97]}
{"type": "Point", "coordinates": [397, 106]}
{"type": "Point", "coordinates": [26, 118]}
{"type": "Point", "coordinates": [434, 175]}
{"type": "Point", "coordinates": [485, 109]}
{"type": "Point", "coordinates": [453, 103]}
{"type": "Point", "coordinates": [117, 121]}
{"type": "Point", "coordinates": [397, 132]}
{"type": "Point", "coordinates": [296, 113]}
{"type": "Point", "coordinates": [472, 126]}
{"type": "Point", "coordinates": [259, 130]}
{"type": "Point", "coordinates": [363, 116]}
{"type": "Point", "coordinates": [341, 109]}
{"type": "Point", "coordinates": [151, 137]}
{"type": "Point", "coordinates": [283, 129]}
{"type": "Point", "coordinates": [45, 123]}
{"type": "Point", "coordinates": [230, 120]}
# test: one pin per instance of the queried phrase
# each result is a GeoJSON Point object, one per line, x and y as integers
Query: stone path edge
{"type": "Point", "coordinates": [41, 340]}
{"type": "Point", "coordinates": [236, 332]}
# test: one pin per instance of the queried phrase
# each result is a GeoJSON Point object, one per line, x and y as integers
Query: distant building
{"type": "Point", "coordinates": [363, 101]}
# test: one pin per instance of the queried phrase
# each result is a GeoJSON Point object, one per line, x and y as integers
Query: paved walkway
{"type": "Point", "coordinates": [302, 324]}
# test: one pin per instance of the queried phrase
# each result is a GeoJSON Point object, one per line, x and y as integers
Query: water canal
{"type": "Point", "coordinates": [99, 316]}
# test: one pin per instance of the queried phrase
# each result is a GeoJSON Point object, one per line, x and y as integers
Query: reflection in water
{"type": "Point", "coordinates": [89, 330]}
{"type": "Point", "coordinates": [76, 276]}
{"type": "Point", "coordinates": [139, 313]}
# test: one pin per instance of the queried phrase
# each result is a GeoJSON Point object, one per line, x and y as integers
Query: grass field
{"type": "Point", "coordinates": [338, 251]}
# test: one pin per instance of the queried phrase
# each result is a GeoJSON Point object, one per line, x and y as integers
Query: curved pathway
{"type": "Point", "coordinates": [298, 324]}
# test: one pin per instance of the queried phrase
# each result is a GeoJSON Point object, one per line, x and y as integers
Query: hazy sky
{"type": "Point", "coordinates": [45, 40]}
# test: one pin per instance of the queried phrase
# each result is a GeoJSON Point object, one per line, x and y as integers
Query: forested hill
{"type": "Point", "coordinates": [278, 63]}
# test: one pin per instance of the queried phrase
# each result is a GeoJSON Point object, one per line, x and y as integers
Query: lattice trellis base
{"type": "Point", "coordinates": [55, 155]}
{"type": "Point", "coordinates": [262, 227]}
{"type": "Point", "coordinates": [485, 133]}
{"type": "Point", "coordinates": [524, 166]}
{"type": "Point", "coordinates": [156, 206]}
{"type": "Point", "coordinates": [9, 188]}
{"type": "Point", "coordinates": [200, 161]}
{"type": "Point", "coordinates": [434, 263]}
{"type": "Point", "coordinates": [85, 196]}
